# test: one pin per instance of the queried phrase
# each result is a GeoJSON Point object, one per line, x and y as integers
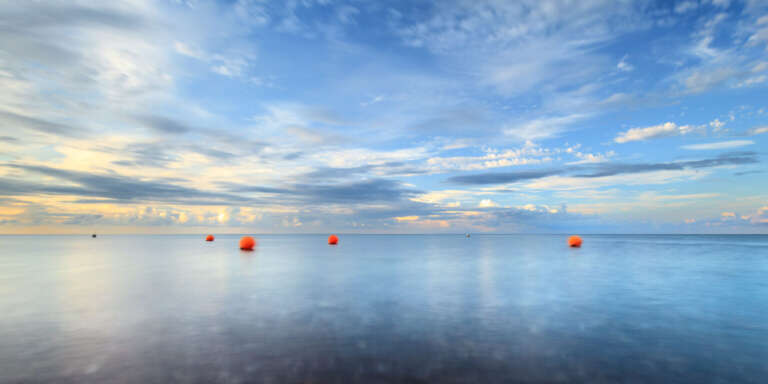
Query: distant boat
{"type": "Point", "coordinates": [467, 234]}
{"type": "Point", "coordinates": [94, 235]}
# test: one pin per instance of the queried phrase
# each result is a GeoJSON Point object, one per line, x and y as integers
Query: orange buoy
{"type": "Point", "coordinates": [574, 241]}
{"type": "Point", "coordinates": [333, 240]}
{"type": "Point", "coordinates": [209, 238]}
{"type": "Point", "coordinates": [247, 243]}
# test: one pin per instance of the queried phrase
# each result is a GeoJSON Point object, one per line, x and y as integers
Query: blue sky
{"type": "Point", "coordinates": [391, 117]}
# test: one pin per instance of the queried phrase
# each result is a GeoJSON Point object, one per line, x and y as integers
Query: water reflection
{"type": "Point", "coordinates": [384, 308]}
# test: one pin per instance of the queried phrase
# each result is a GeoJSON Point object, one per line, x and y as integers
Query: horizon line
{"type": "Point", "coordinates": [386, 234]}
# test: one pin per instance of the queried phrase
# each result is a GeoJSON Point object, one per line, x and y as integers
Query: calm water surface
{"type": "Point", "coordinates": [518, 308]}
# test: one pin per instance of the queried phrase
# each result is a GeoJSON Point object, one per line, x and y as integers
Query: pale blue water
{"type": "Point", "coordinates": [518, 308]}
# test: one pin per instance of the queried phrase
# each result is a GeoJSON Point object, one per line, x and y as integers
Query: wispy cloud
{"type": "Point", "coordinates": [503, 177]}
{"type": "Point", "coordinates": [114, 188]}
{"type": "Point", "coordinates": [10, 119]}
{"type": "Point", "coordinates": [231, 64]}
{"type": "Point", "coordinates": [624, 65]}
{"type": "Point", "coordinates": [607, 169]}
{"type": "Point", "coordinates": [719, 145]}
{"type": "Point", "coordinates": [757, 131]}
{"type": "Point", "coordinates": [542, 128]}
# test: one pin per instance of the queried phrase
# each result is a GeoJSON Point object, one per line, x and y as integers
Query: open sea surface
{"type": "Point", "coordinates": [384, 308]}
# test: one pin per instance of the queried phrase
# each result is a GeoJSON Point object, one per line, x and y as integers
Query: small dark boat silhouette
{"type": "Point", "coordinates": [467, 234]}
{"type": "Point", "coordinates": [94, 235]}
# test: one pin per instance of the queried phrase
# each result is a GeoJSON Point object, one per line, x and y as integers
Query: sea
{"type": "Point", "coordinates": [384, 309]}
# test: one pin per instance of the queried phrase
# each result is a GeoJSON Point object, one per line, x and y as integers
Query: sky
{"type": "Point", "coordinates": [316, 116]}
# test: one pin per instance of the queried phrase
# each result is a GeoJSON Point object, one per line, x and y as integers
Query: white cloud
{"type": "Point", "coordinates": [719, 64]}
{"type": "Point", "coordinates": [716, 125]}
{"type": "Point", "coordinates": [355, 157]}
{"type": "Point", "coordinates": [487, 203]}
{"type": "Point", "coordinates": [704, 79]}
{"type": "Point", "coordinates": [252, 12]}
{"type": "Point", "coordinates": [230, 65]}
{"type": "Point", "coordinates": [617, 98]}
{"type": "Point", "coordinates": [757, 131]}
{"type": "Point", "coordinates": [188, 51]}
{"type": "Point", "coordinates": [224, 70]}
{"type": "Point", "coordinates": [718, 145]}
{"type": "Point", "coordinates": [542, 66]}
{"type": "Point", "coordinates": [760, 36]}
{"type": "Point", "coordinates": [457, 24]}
{"type": "Point", "coordinates": [750, 81]}
{"type": "Point", "coordinates": [656, 131]}
{"type": "Point", "coordinates": [529, 153]}
{"type": "Point", "coordinates": [563, 183]}
{"type": "Point", "coordinates": [759, 67]}
{"type": "Point", "coordinates": [760, 216]}
{"type": "Point", "coordinates": [292, 223]}
{"type": "Point", "coordinates": [374, 100]}
{"type": "Point", "coordinates": [540, 208]}
{"type": "Point", "coordinates": [437, 197]}
{"type": "Point", "coordinates": [296, 125]}
{"type": "Point", "coordinates": [587, 158]}
{"type": "Point", "coordinates": [543, 49]}
{"type": "Point", "coordinates": [690, 196]}
{"type": "Point", "coordinates": [474, 163]}
{"type": "Point", "coordinates": [624, 66]}
{"type": "Point", "coordinates": [686, 7]}
{"type": "Point", "coordinates": [542, 128]}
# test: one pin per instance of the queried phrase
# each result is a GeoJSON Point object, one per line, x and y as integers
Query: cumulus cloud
{"type": "Point", "coordinates": [662, 130]}
{"type": "Point", "coordinates": [588, 158]}
{"type": "Point", "coordinates": [487, 203]}
{"type": "Point", "coordinates": [759, 217]}
{"type": "Point", "coordinates": [529, 153]}
{"type": "Point", "coordinates": [716, 125]}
